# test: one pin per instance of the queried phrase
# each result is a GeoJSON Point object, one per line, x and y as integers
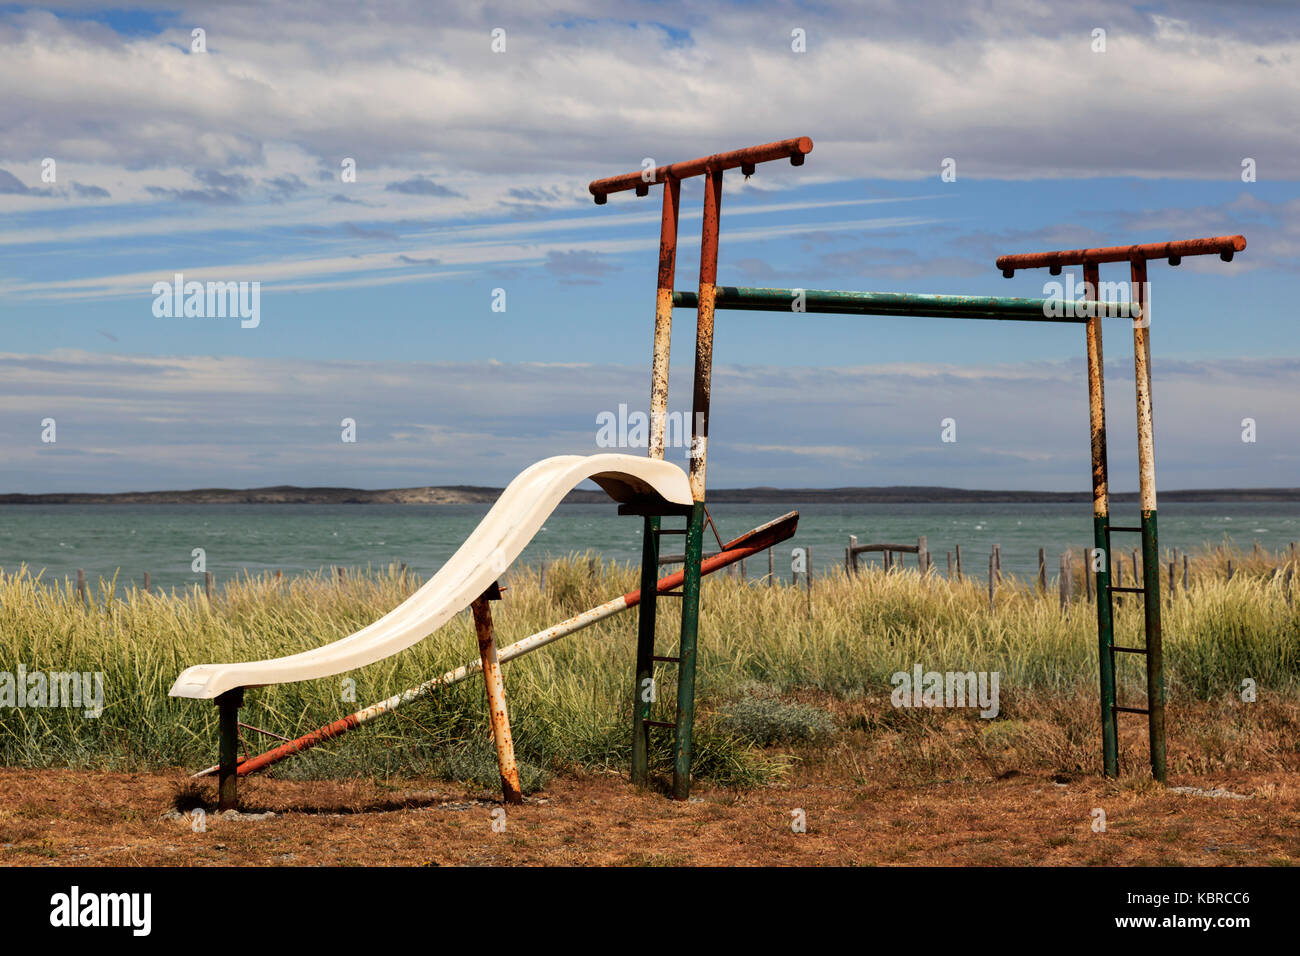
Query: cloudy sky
{"type": "Point", "coordinates": [128, 156]}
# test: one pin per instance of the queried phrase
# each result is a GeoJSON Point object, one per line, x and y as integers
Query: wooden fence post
{"type": "Point", "coordinates": [958, 549]}
{"type": "Point", "coordinates": [207, 584]}
{"type": "Point", "coordinates": [146, 582]}
{"type": "Point", "coordinates": [807, 575]}
{"type": "Point", "coordinates": [922, 555]}
{"type": "Point", "coordinates": [1186, 575]}
{"type": "Point", "coordinates": [997, 560]}
{"type": "Point", "coordinates": [1042, 570]}
{"type": "Point", "coordinates": [771, 569]}
{"type": "Point", "coordinates": [991, 581]}
{"type": "Point", "coordinates": [949, 565]}
{"type": "Point", "coordinates": [81, 587]}
{"type": "Point", "coordinates": [1065, 579]}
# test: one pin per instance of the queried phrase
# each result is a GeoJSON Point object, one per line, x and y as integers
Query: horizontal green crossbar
{"type": "Point", "coordinates": [904, 303]}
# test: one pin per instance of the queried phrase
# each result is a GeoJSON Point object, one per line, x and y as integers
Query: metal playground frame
{"type": "Point", "coordinates": [711, 297]}
{"type": "Point", "coordinates": [685, 584]}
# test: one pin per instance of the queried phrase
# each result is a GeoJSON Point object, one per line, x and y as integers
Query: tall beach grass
{"type": "Point", "coordinates": [570, 703]}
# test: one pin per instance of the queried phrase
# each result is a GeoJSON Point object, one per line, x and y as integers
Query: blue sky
{"type": "Point", "coordinates": [472, 168]}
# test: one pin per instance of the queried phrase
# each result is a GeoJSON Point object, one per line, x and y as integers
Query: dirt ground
{"type": "Point", "coordinates": [87, 818]}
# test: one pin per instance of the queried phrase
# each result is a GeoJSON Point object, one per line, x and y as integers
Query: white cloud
{"type": "Point", "coordinates": [131, 422]}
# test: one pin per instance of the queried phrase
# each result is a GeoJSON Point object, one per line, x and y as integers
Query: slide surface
{"type": "Point", "coordinates": [499, 538]}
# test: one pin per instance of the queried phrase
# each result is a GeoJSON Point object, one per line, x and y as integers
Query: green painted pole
{"type": "Point", "coordinates": [643, 689]}
{"type": "Point", "coordinates": [686, 653]}
{"type": "Point", "coordinates": [1155, 652]}
{"type": "Point", "coordinates": [1106, 648]}
{"type": "Point", "coordinates": [746, 298]}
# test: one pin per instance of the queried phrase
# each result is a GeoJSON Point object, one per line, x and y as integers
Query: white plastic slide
{"type": "Point", "coordinates": [499, 538]}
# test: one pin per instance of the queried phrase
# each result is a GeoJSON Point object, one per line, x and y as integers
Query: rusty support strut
{"type": "Point", "coordinates": [1101, 529]}
{"type": "Point", "coordinates": [643, 679]}
{"type": "Point", "coordinates": [498, 716]}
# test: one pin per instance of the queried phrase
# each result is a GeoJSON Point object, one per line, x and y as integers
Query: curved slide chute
{"type": "Point", "coordinates": [498, 540]}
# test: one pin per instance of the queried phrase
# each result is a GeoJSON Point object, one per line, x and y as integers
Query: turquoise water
{"type": "Point", "coordinates": [297, 538]}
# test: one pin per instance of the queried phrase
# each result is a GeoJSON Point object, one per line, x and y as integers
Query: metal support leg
{"type": "Point", "coordinates": [498, 716]}
{"type": "Point", "coordinates": [1150, 540]}
{"type": "Point", "coordinates": [228, 705]}
{"type": "Point", "coordinates": [687, 655]}
{"type": "Point", "coordinates": [1100, 529]}
{"type": "Point", "coordinates": [698, 470]}
{"type": "Point", "coordinates": [642, 688]}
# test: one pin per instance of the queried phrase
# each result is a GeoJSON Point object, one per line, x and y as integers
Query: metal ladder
{"type": "Point", "coordinates": [1151, 651]}
{"type": "Point", "coordinates": [645, 686]}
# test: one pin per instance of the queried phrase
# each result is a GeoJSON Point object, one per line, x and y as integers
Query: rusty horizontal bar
{"type": "Point", "coordinates": [746, 159]}
{"type": "Point", "coordinates": [660, 723]}
{"type": "Point", "coordinates": [1132, 710]}
{"type": "Point", "coordinates": [1116, 527]}
{"type": "Point", "coordinates": [909, 304]}
{"type": "Point", "coordinates": [1224, 246]}
{"type": "Point", "coordinates": [1129, 650]}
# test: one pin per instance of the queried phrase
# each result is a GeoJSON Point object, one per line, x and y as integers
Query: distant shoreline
{"type": "Point", "coordinates": [474, 494]}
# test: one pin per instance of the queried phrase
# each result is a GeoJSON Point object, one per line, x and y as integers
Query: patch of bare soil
{"type": "Point", "coordinates": [88, 818]}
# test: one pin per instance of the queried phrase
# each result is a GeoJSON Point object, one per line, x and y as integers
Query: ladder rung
{"type": "Point", "coordinates": [1130, 650]}
{"type": "Point", "coordinates": [1117, 527]}
{"type": "Point", "coordinates": [671, 531]}
{"type": "Point", "coordinates": [660, 723]}
{"type": "Point", "coordinates": [1131, 710]}
{"type": "Point", "coordinates": [670, 593]}
{"type": "Point", "coordinates": [1117, 588]}
{"type": "Point", "coordinates": [669, 660]}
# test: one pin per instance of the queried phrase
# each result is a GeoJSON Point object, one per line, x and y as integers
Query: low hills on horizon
{"type": "Point", "coordinates": [475, 494]}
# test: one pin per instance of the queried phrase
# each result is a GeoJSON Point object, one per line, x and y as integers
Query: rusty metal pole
{"type": "Point", "coordinates": [698, 467]}
{"type": "Point", "coordinates": [1101, 526]}
{"type": "Point", "coordinates": [643, 682]}
{"type": "Point", "coordinates": [228, 705]}
{"type": "Point", "coordinates": [498, 716]}
{"type": "Point", "coordinates": [1150, 540]}
{"type": "Point", "coordinates": [663, 316]}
